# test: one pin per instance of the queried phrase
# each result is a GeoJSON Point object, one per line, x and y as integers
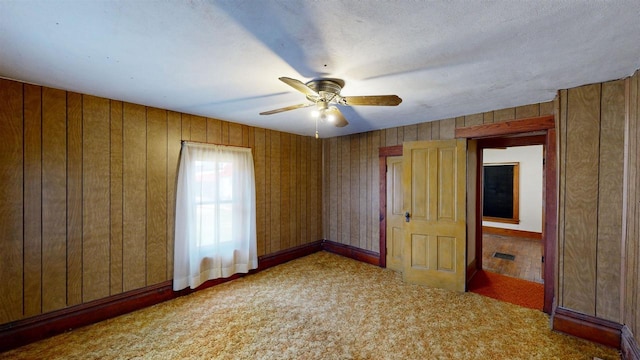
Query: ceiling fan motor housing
{"type": "Point", "coordinates": [328, 89]}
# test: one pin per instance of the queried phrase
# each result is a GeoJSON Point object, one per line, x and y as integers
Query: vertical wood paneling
{"type": "Point", "coordinates": [214, 131]}
{"type": "Point", "coordinates": [95, 197]}
{"type": "Point", "coordinates": [475, 119]}
{"type": "Point", "coordinates": [326, 180]}
{"type": "Point", "coordinates": [527, 111]}
{"type": "Point", "coordinates": [134, 179]}
{"type": "Point", "coordinates": [306, 217]}
{"type": "Point", "coordinates": [186, 127]}
{"type": "Point", "coordinates": [61, 250]}
{"type": "Point", "coordinates": [634, 266]}
{"type": "Point", "coordinates": [374, 240]}
{"type": "Point", "coordinates": [410, 133]}
{"type": "Point", "coordinates": [424, 131]}
{"type": "Point", "coordinates": [11, 218]}
{"type": "Point", "coordinates": [267, 187]}
{"type": "Point", "coordinates": [285, 198]}
{"type": "Point", "coordinates": [293, 219]}
{"type": "Point", "coordinates": [173, 156]}
{"type": "Point", "coordinates": [344, 207]}
{"type": "Point", "coordinates": [225, 133]}
{"type": "Point", "coordinates": [631, 269]}
{"type": "Point", "coordinates": [611, 160]}
{"type": "Point", "coordinates": [247, 136]}
{"type": "Point", "coordinates": [74, 210]}
{"type": "Point", "coordinates": [156, 221]}
{"type": "Point", "coordinates": [32, 200]}
{"type": "Point", "coordinates": [259, 153]}
{"type": "Point", "coordinates": [274, 186]}
{"type": "Point", "coordinates": [236, 137]}
{"type": "Point", "coordinates": [198, 128]}
{"type": "Point", "coordinates": [546, 108]}
{"type": "Point", "coordinates": [487, 117]}
{"type": "Point", "coordinates": [333, 189]}
{"type": "Point", "coordinates": [354, 191]}
{"type": "Point", "coordinates": [313, 206]}
{"type": "Point", "coordinates": [99, 194]}
{"type": "Point", "coordinates": [504, 114]}
{"type": "Point", "coordinates": [581, 198]}
{"type": "Point", "coordinates": [562, 144]}
{"type": "Point", "coordinates": [363, 177]}
{"type": "Point", "coordinates": [435, 130]}
{"type": "Point", "coordinates": [447, 129]}
{"type": "Point", "coordinates": [391, 136]}
{"type": "Point", "coordinates": [116, 198]}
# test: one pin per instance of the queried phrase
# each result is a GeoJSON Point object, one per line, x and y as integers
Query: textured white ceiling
{"type": "Point", "coordinates": [222, 59]}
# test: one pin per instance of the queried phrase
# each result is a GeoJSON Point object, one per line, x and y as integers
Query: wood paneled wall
{"type": "Point", "coordinates": [592, 156]}
{"type": "Point", "coordinates": [88, 190]}
{"type": "Point", "coordinates": [351, 174]}
{"type": "Point", "coordinates": [631, 212]}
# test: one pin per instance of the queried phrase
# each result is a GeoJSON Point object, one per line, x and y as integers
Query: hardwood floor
{"type": "Point", "coordinates": [527, 263]}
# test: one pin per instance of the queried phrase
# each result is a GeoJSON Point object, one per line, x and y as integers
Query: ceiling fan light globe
{"type": "Point", "coordinates": [330, 118]}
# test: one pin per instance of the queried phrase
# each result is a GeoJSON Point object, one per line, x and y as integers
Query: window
{"type": "Point", "coordinates": [213, 203]}
{"type": "Point", "coordinates": [215, 214]}
{"type": "Point", "coordinates": [501, 196]}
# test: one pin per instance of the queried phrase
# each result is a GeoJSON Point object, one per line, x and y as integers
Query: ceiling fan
{"type": "Point", "coordinates": [324, 93]}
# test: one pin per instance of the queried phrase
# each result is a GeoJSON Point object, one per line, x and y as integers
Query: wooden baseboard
{"type": "Point", "coordinates": [281, 257]}
{"type": "Point", "coordinates": [21, 332]}
{"type": "Point", "coordinates": [352, 252]}
{"type": "Point", "coordinates": [512, 232]}
{"type": "Point", "coordinates": [629, 345]}
{"type": "Point", "coordinates": [25, 331]}
{"type": "Point", "coordinates": [587, 327]}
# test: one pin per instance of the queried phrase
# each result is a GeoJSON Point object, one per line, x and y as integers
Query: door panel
{"type": "Point", "coordinates": [434, 184]}
{"type": "Point", "coordinates": [395, 213]}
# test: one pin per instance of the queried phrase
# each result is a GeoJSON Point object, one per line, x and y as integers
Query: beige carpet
{"type": "Point", "coordinates": [323, 306]}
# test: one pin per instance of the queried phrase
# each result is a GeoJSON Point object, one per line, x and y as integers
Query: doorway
{"type": "Point", "coordinates": [512, 211]}
{"type": "Point", "coordinates": [503, 134]}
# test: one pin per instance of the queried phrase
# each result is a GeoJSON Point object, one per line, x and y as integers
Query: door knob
{"type": "Point", "coordinates": [407, 216]}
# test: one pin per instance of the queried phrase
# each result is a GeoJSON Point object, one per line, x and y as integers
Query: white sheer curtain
{"type": "Point", "coordinates": [215, 214]}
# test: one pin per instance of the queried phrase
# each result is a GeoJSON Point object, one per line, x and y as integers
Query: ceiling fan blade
{"type": "Point", "coordinates": [292, 107]}
{"type": "Point", "coordinates": [339, 120]}
{"type": "Point", "coordinates": [377, 100]}
{"type": "Point", "coordinates": [299, 85]}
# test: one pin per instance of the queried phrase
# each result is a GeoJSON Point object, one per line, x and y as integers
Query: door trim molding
{"type": "Point", "coordinates": [541, 131]}
{"type": "Point", "coordinates": [383, 153]}
{"type": "Point", "coordinates": [540, 123]}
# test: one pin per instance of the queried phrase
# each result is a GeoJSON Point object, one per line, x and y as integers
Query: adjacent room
{"type": "Point", "coordinates": [319, 179]}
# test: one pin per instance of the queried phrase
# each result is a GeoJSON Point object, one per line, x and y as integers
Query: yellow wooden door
{"type": "Point", "coordinates": [434, 180]}
{"type": "Point", "coordinates": [395, 213]}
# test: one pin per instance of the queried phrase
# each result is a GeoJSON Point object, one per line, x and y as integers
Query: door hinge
{"type": "Point", "coordinates": [542, 258]}
{"type": "Point", "coordinates": [386, 168]}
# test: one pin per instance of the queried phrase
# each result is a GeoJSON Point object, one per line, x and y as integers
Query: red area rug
{"type": "Point", "coordinates": [504, 288]}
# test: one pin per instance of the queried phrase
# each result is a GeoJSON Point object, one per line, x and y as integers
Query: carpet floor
{"type": "Point", "coordinates": [322, 306]}
{"type": "Point", "coordinates": [516, 291]}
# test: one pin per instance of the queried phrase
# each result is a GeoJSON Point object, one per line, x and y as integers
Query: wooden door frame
{"type": "Point", "coordinates": [541, 126]}
{"type": "Point", "coordinates": [517, 133]}
{"type": "Point", "coordinates": [383, 153]}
